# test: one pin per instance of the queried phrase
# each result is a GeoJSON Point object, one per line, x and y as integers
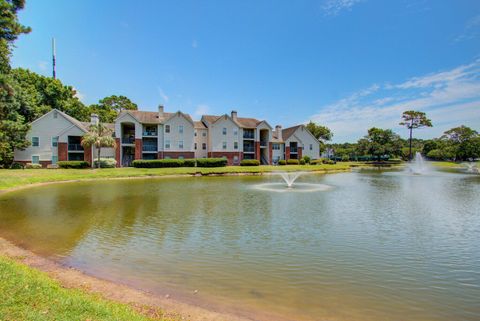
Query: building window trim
{"type": "Point", "coordinates": [35, 141]}
{"type": "Point", "coordinates": [35, 159]}
{"type": "Point", "coordinates": [55, 141]}
{"type": "Point", "coordinates": [167, 129]}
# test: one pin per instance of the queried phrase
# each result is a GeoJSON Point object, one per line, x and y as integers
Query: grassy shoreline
{"type": "Point", "coordinates": [29, 294]}
{"type": "Point", "coordinates": [16, 178]}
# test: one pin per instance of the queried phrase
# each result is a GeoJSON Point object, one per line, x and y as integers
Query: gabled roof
{"type": "Point", "coordinates": [199, 125]}
{"type": "Point", "coordinates": [179, 113]}
{"type": "Point", "coordinates": [239, 121]}
{"type": "Point", "coordinates": [152, 117]}
{"type": "Point", "coordinates": [287, 132]}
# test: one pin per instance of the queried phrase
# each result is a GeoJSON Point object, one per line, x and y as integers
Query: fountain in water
{"type": "Point", "coordinates": [418, 165]}
{"type": "Point", "coordinates": [472, 168]}
{"type": "Point", "coordinates": [290, 177]}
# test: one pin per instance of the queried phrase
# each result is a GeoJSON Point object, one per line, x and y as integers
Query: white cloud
{"type": "Point", "coordinates": [194, 44]}
{"type": "Point", "coordinates": [202, 109]}
{"type": "Point", "coordinates": [334, 7]}
{"type": "Point", "coordinates": [471, 30]}
{"type": "Point", "coordinates": [42, 65]}
{"type": "Point", "coordinates": [162, 94]}
{"type": "Point", "coordinates": [449, 98]}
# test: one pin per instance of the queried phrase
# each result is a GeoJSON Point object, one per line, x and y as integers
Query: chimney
{"type": "Point", "coordinates": [94, 119]}
{"type": "Point", "coordinates": [160, 111]}
{"type": "Point", "coordinates": [234, 114]}
{"type": "Point", "coordinates": [278, 132]}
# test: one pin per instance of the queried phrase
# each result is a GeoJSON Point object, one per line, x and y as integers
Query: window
{"type": "Point", "coordinates": [224, 145]}
{"type": "Point", "coordinates": [204, 146]}
{"type": "Point", "coordinates": [35, 141]}
{"type": "Point", "coordinates": [235, 132]}
{"type": "Point", "coordinates": [276, 146]}
{"type": "Point", "coordinates": [55, 141]}
{"type": "Point", "coordinates": [195, 146]}
{"type": "Point", "coordinates": [235, 159]}
{"type": "Point", "coordinates": [167, 144]}
{"type": "Point", "coordinates": [180, 129]}
{"type": "Point", "coordinates": [204, 134]}
{"type": "Point", "coordinates": [235, 145]}
{"type": "Point", "coordinates": [54, 160]}
{"type": "Point", "coordinates": [180, 144]}
{"type": "Point", "coordinates": [195, 134]}
{"type": "Point", "coordinates": [311, 146]}
{"type": "Point", "coordinates": [35, 159]}
{"type": "Point", "coordinates": [167, 128]}
{"type": "Point", "coordinates": [224, 131]}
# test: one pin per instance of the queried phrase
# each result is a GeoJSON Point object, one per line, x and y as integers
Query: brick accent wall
{"type": "Point", "coordinates": [270, 153]}
{"type": "Point", "coordinates": [299, 152]}
{"type": "Point", "coordinates": [228, 155]}
{"type": "Point", "coordinates": [257, 151]}
{"type": "Point", "coordinates": [87, 155]}
{"type": "Point", "coordinates": [287, 152]}
{"type": "Point", "coordinates": [62, 151]}
{"type": "Point", "coordinates": [117, 151]}
{"type": "Point", "coordinates": [176, 155]}
{"type": "Point", "coordinates": [138, 148]}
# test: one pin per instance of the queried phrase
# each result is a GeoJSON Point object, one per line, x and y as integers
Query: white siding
{"type": "Point", "coordinates": [200, 139]}
{"type": "Point", "coordinates": [174, 136]}
{"type": "Point", "coordinates": [45, 128]}
{"type": "Point", "coordinates": [216, 137]}
{"type": "Point", "coordinates": [303, 137]}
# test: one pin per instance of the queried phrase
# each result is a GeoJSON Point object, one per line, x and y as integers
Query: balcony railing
{"type": "Point", "coordinates": [248, 135]}
{"type": "Point", "coordinates": [128, 140]}
{"type": "Point", "coordinates": [293, 150]}
{"type": "Point", "coordinates": [248, 149]}
{"type": "Point", "coordinates": [264, 143]}
{"type": "Point", "coordinates": [75, 147]}
{"type": "Point", "coordinates": [149, 148]}
{"type": "Point", "coordinates": [150, 133]}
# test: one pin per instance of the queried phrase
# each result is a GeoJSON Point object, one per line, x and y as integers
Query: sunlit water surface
{"type": "Point", "coordinates": [370, 245]}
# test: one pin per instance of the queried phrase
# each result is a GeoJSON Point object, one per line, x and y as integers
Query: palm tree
{"type": "Point", "coordinates": [99, 136]}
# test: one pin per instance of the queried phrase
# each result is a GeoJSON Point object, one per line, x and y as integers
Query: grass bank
{"type": "Point", "coordinates": [12, 178]}
{"type": "Point", "coordinates": [449, 164]}
{"type": "Point", "coordinates": [28, 294]}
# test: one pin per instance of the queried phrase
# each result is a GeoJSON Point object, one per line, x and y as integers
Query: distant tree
{"type": "Point", "coordinates": [380, 142]}
{"type": "Point", "coordinates": [98, 136]}
{"type": "Point", "coordinates": [412, 120]}
{"type": "Point", "coordinates": [109, 107]}
{"type": "Point", "coordinates": [465, 142]}
{"type": "Point", "coordinates": [12, 124]}
{"type": "Point", "coordinates": [322, 133]}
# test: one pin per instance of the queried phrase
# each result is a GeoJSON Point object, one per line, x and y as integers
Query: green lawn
{"type": "Point", "coordinates": [449, 164]}
{"type": "Point", "coordinates": [10, 178]}
{"type": "Point", "coordinates": [27, 294]}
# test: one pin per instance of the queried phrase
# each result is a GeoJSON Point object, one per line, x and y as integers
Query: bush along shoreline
{"type": "Point", "coordinates": [162, 163]}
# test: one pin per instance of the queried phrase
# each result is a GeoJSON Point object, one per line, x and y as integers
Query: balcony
{"type": "Point", "coordinates": [150, 133]}
{"type": "Point", "coordinates": [293, 150]}
{"type": "Point", "coordinates": [128, 140]}
{"type": "Point", "coordinates": [75, 147]}
{"type": "Point", "coordinates": [263, 143]}
{"type": "Point", "coordinates": [248, 149]}
{"type": "Point", "coordinates": [149, 148]}
{"type": "Point", "coordinates": [248, 135]}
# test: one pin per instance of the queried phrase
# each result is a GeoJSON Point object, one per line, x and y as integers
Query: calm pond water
{"type": "Point", "coordinates": [377, 245]}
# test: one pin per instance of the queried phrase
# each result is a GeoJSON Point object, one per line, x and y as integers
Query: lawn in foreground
{"type": "Point", "coordinates": [11, 178]}
{"type": "Point", "coordinates": [28, 294]}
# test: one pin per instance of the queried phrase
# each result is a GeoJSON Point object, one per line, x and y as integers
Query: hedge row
{"type": "Point", "coordinates": [201, 162]}
{"type": "Point", "coordinates": [73, 164]}
{"type": "Point", "coordinates": [250, 162]}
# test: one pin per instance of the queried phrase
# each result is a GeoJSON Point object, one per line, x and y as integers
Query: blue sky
{"type": "Point", "coordinates": [348, 64]}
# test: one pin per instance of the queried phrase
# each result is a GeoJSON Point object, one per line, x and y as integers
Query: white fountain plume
{"type": "Point", "coordinates": [472, 168]}
{"type": "Point", "coordinates": [290, 177]}
{"type": "Point", "coordinates": [418, 165]}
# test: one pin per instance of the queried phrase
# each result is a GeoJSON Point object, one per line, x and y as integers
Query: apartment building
{"type": "Point", "coordinates": [160, 135]}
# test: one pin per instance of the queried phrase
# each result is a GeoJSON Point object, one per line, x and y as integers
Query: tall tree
{"type": "Point", "coordinates": [412, 120]}
{"type": "Point", "coordinates": [322, 133]}
{"type": "Point", "coordinates": [380, 142]}
{"type": "Point", "coordinates": [12, 124]}
{"type": "Point", "coordinates": [109, 107]}
{"type": "Point", "coordinates": [98, 136]}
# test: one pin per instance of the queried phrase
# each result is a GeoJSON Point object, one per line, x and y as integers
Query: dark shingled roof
{"type": "Point", "coordinates": [287, 132]}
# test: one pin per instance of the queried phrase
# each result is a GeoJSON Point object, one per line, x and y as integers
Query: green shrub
{"type": "Point", "coordinates": [250, 162]}
{"type": "Point", "coordinates": [189, 162]}
{"type": "Point", "coordinates": [211, 162]}
{"type": "Point", "coordinates": [282, 162]}
{"type": "Point", "coordinates": [17, 166]}
{"type": "Point", "coordinates": [302, 162]}
{"type": "Point", "coordinates": [316, 161]}
{"type": "Point", "coordinates": [73, 164]}
{"type": "Point", "coordinates": [345, 158]}
{"type": "Point", "coordinates": [106, 163]}
{"type": "Point", "coordinates": [33, 166]}
{"type": "Point", "coordinates": [307, 159]}
{"type": "Point", "coordinates": [157, 163]}
{"type": "Point", "coordinates": [292, 162]}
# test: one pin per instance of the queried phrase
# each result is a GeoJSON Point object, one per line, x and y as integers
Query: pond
{"type": "Point", "coordinates": [374, 245]}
